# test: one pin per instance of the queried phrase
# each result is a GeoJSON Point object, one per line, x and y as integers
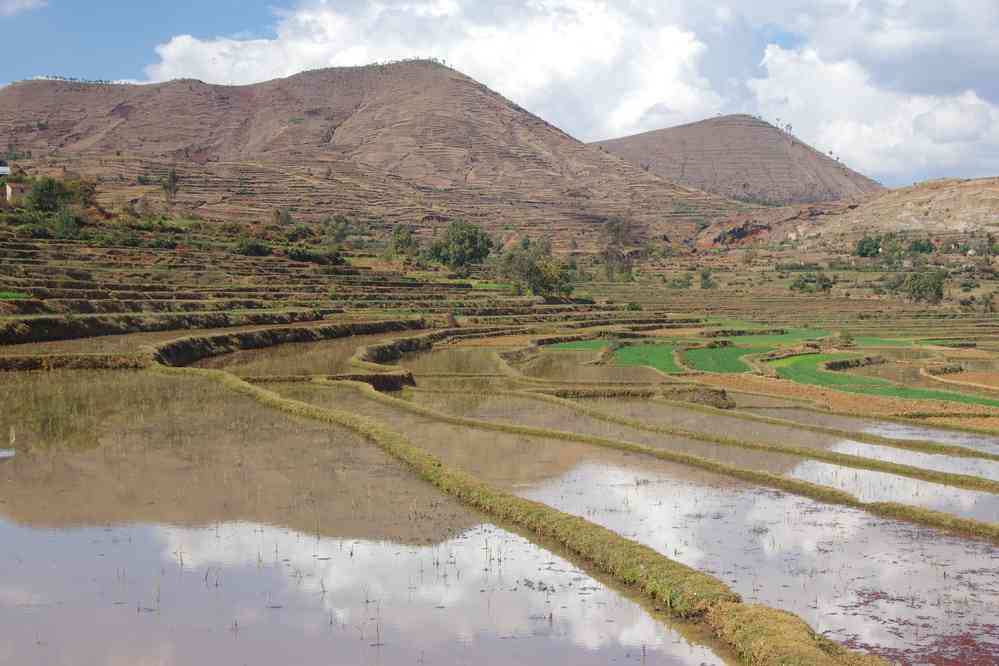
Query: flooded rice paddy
{"type": "Point", "coordinates": [241, 535]}
{"type": "Point", "coordinates": [239, 592]}
{"type": "Point", "coordinates": [909, 593]}
{"type": "Point", "coordinates": [329, 357]}
{"type": "Point", "coordinates": [155, 518]}
{"type": "Point", "coordinates": [574, 366]}
{"type": "Point", "coordinates": [884, 428]}
{"type": "Point", "coordinates": [723, 425]}
{"type": "Point", "coordinates": [470, 361]}
{"type": "Point", "coordinates": [872, 486]}
{"type": "Point", "coordinates": [866, 485]}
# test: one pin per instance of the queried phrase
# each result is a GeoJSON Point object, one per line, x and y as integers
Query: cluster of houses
{"type": "Point", "coordinates": [11, 194]}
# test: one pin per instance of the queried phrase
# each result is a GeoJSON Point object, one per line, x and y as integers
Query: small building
{"type": "Point", "coordinates": [4, 168]}
{"type": "Point", "coordinates": [16, 192]}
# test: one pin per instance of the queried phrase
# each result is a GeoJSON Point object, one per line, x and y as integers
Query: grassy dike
{"type": "Point", "coordinates": [929, 517]}
{"type": "Point", "coordinates": [760, 635]}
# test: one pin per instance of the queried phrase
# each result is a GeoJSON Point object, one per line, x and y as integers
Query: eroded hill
{"type": "Point", "coordinates": [936, 209]}
{"type": "Point", "coordinates": [412, 142]}
{"type": "Point", "coordinates": [741, 157]}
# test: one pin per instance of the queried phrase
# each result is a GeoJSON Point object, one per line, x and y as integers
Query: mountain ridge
{"type": "Point", "coordinates": [402, 142]}
{"type": "Point", "coordinates": [744, 158]}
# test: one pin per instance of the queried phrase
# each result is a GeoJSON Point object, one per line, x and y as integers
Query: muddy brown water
{"type": "Point", "coordinates": [453, 360]}
{"type": "Point", "coordinates": [912, 594]}
{"type": "Point", "coordinates": [883, 428]}
{"type": "Point", "coordinates": [328, 357]}
{"type": "Point", "coordinates": [752, 401]}
{"type": "Point", "coordinates": [539, 414]}
{"type": "Point", "coordinates": [178, 523]}
{"type": "Point", "coordinates": [568, 366]}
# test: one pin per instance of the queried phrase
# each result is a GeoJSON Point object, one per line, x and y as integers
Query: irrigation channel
{"type": "Point", "coordinates": [384, 495]}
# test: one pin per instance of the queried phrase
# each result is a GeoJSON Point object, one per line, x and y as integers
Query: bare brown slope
{"type": "Point", "coordinates": [743, 158]}
{"type": "Point", "coordinates": [410, 142]}
{"type": "Point", "coordinates": [936, 209]}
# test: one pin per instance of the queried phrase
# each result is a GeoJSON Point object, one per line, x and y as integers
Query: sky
{"type": "Point", "coordinates": [901, 90]}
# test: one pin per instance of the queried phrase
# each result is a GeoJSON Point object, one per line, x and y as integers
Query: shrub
{"type": "Point", "coordinates": [530, 266]}
{"type": "Point", "coordinates": [463, 244]}
{"type": "Point", "coordinates": [251, 247]}
{"type": "Point", "coordinates": [868, 246]}
{"type": "Point", "coordinates": [38, 231]}
{"type": "Point", "coordinates": [66, 224]}
{"type": "Point", "coordinates": [926, 286]}
{"type": "Point", "coordinates": [327, 257]}
{"type": "Point", "coordinates": [402, 242]}
{"type": "Point", "coordinates": [47, 195]}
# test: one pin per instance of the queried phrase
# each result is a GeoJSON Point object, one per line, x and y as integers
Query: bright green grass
{"type": "Point", "coordinates": [793, 336]}
{"type": "Point", "coordinates": [807, 370]}
{"type": "Point", "coordinates": [865, 341]}
{"type": "Point", "coordinates": [720, 359]}
{"type": "Point", "coordinates": [12, 296]}
{"type": "Point", "coordinates": [582, 345]}
{"type": "Point", "coordinates": [659, 357]}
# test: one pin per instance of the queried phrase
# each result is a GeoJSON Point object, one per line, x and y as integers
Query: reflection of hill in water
{"type": "Point", "coordinates": [186, 452]}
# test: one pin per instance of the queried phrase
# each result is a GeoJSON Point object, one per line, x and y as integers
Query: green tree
{"type": "Point", "coordinates": [338, 228]}
{"type": "Point", "coordinates": [402, 243]}
{"type": "Point", "coordinates": [707, 282]}
{"type": "Point", "coordinates": [925, 286]}
{"type": "Point", "coordinates": [463, 245]}
{"type": "Point", "coordinates": [171, 184]}
{"type": "Point", "coordinates": [531, 266]}
{"type": "Point", "coordinates": [66, 223]}
{"type": "Point", "coordinates": [868, 246]}
{"type": "Point", "coordinates": [618, 234]}
{"type": "Point", "coordinates": [48, 195]}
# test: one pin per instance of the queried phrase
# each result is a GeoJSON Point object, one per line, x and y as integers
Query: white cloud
{"type": "Point", "coordinates": [11, 7]}
{"type": "Point", "coordinates": [898, 88]}
{"type": "Point", "coordinates": [955, 120]}
{"type": "Point", "coordinates": [837, 106]}
{"type": "Point", "coordinates": [590, 65]}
